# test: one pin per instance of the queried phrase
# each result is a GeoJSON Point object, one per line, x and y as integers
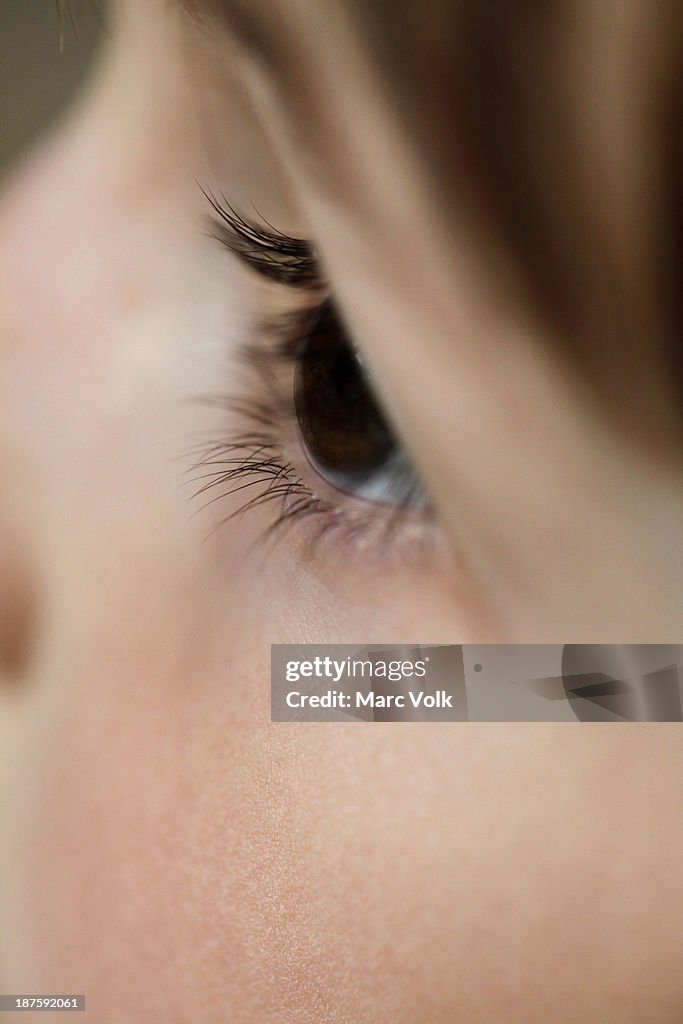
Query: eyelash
{"type": "Point", "coordinates": [253, 458]}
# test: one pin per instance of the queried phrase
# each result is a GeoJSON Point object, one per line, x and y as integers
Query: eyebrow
{"type": "Point", "coordinates": [272, 254]}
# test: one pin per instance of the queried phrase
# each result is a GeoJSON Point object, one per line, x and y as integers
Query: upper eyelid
{"type": "Point", "coordinates": [271, 253]}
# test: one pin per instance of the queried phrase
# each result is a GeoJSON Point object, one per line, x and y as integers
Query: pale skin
{"type": "Point", "coordinates": [162, 842]}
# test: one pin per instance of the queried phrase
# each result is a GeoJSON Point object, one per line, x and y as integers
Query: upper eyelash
{"type": "Point", "coordinates": [271, 253]}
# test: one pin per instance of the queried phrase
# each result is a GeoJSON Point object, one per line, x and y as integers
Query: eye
{"type": "Point", "coordinates": [309, 438]}
{"type": "Point", "coordinates": [345, 434]}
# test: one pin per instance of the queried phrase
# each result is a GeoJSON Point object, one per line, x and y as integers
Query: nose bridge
{"type": "Point", "coordinates": [14, 599]}
{"type": "Point", "coordinates": [29, 262]}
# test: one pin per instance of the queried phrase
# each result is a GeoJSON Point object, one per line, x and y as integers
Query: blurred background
{"type": "Point", "coordinates": [46, 49]}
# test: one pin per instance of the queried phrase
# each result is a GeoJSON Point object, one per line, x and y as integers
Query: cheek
{"type": "Point", "coordinates": [175, 843]}
{"type": "Point", "coordinates": [144, 799]}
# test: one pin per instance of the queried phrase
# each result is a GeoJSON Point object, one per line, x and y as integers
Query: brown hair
{"type": "Point", "coordinates": [559, 125]}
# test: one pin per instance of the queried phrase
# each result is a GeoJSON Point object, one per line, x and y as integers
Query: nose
{"type": "Point", "coordinates": [18, 599]}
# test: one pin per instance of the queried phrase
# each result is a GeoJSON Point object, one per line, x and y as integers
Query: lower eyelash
{"type": "Point", "coordinates": [253, 461]}
{"type": "Point", "coordinates": [249, 461]}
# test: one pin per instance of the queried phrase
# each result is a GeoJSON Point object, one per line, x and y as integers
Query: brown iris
{"type": "Point", "coordinates": [345, 433]}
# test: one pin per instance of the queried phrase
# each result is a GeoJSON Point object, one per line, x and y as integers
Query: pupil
{"type": "Point", "coordinates": [343, 428]}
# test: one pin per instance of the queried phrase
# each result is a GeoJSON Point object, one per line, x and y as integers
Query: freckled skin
{"type": "Point", "coordinates": [164, 848]}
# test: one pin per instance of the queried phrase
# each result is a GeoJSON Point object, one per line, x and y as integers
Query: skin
{"type": "Point", "coordinates": [165, 848]}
